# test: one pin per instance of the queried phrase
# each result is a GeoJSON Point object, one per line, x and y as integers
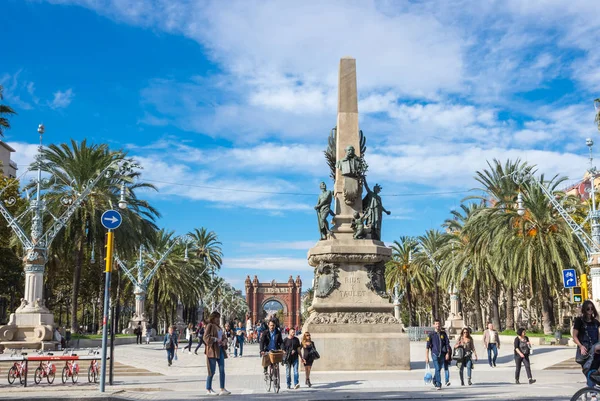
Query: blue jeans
{"type": "Point", "coordinates": [447, 369]}
{"type": "Point", "coordinates": [288, 376]}
{"type": "Point", "coordinates": [469, 365]}
{"type": "Point", "coordinates": [438, 364]}
{"type": "Point", "coordinates": [212, 363]}
{"type": "Point", "coordinates": [492, 348]}
{"type": "Point", "coordinates": [241, 344]}
{"type": "Point", "coordinates": [170, 355]}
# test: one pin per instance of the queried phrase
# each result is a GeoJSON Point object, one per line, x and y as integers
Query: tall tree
{"type": "Point", "coordinates": [5, 112]}
{"type": "Point", "coordinates": [72, 166]}
{"type": "Point", "coordinates": [207, 247]}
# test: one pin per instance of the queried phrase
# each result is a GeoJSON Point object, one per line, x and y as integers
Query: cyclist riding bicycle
{"type": "Point", "coordinates": [270, 341]}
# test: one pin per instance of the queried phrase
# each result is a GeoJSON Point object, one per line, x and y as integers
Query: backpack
{"type": "Point", "coordinates": [459, 353]}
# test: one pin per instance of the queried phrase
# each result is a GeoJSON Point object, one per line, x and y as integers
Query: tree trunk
{"type": "Point", "coordinates": [495, 307]}
{"type": "Point", "coordinates": [436, 296]}
{"type": "Point", "coordinates": [477, 300]}
{"type": "Point", "coordinates": [155, 306]}
{"type": "Point", "coordinates": [76, 282]}
{"type": "Point", "coordinates": [546, 303]}
{"type": "Point", "coordinates": [510, 309]}
{"type": "Point", "coordinates": [412, 319]}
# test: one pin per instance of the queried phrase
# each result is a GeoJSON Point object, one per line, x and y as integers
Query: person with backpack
{"type": "Point", "coordinates": [464, 350]}
{"type": "Point", "coordinates": [586, 329]}
{"type": "Point", "coordinates": [522, 350]}
{"type": "Point", "coordinates": [171, 344]}
{"type": "Point", "coordinates": [439, 344]}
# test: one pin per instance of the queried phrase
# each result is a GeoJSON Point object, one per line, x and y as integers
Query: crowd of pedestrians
{"type": "Point", "coordinates": [464, 353]}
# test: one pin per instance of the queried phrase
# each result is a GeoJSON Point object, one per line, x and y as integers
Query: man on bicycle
{"type": "Point", "coordinates": [270, 341]}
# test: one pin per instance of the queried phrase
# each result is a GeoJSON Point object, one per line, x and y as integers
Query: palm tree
{"type": "Point", "coordinates": [408, 276]}
{"type": "Point", "coordinates": [428, 259]}
{"type": "Point", "coordinates": [4, 111]}
{"type": "Point", "coordinates": [72, 167]}
{"type": "Point", "coordinates": [539, 244]}
{"type": "Point", "coordinates": [207, 247]}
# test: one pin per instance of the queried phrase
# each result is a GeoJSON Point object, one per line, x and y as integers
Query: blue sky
{"type": "Point", "coordinates": [228, 105]}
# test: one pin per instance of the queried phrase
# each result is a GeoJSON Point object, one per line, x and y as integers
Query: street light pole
{"type": "Point", "coordinates": [32, 322]}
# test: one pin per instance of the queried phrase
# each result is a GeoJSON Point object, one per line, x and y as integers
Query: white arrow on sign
{"type": "Point", "coordinates": [569, 280]}
{"type": "Point", "coordinates": [112, 219]}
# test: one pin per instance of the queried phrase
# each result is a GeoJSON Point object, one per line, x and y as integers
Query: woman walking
{"type": "Point", "coordinates": [215, 342]}
{"type": "Point", "coordinates": [189, 336]}
{"type": "Point", "coordinates": [522, 348]}
{"type": "Point", "coordinates": [585, 334]}
{"type": "Point", "coordinates": [466, 342]}
{"type": "Point", "coordinates": [308, 350]}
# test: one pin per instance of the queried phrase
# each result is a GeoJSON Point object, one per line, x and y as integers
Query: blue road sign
{"type": "Point", "coordinates": [111, 219]}
{"type": "Point", "coordinates": [569, 278]}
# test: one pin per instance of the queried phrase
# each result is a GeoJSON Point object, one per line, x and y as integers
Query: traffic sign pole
{"type": "Point", "coordinates": [108, 270]}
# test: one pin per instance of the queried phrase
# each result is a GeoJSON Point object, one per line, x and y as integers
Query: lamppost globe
{"type": "Point", "coordinates": [122, 204]}
{"type": "Point", "coordinates": [41, 129]}
{"type": "Point", "coordinates": [589, 142]}
{"type": "Point", "coordinates": [520, 206]}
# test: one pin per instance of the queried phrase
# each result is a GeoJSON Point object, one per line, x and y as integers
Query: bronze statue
{"type": "Point", "coordinates": [358, 226]}
{"type": "Point", "coordinates": [323, 209]}
{"type": "Point", "coordinates": [353, 169]}
{"type": "Point", "coordinates": [373, 208]}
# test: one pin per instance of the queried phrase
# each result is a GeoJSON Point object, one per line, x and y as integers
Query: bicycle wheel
{"type": "Point", "coordinates": [268, 379]}
{"type": "Point", "coordinates": [65, 374]}
{"type": "Point", "coordinates": [37, 375]}
{"type": "Point", "coordinates": [90, 374]}
{"type": "Point", "coordinates": [50, 376]}
{"type": "Point", "coordinates": [74, 375]}
{"type": "Point", "coordinates": [587, 394]}
{"type": "Point", "coordinates": [12, 374]}
{"type": "Point", "coordinates": [21, 374]}
{"type": "Point", "coordinates": [97, 373]}
{"type": "Point", "coordinates": [276, 382]}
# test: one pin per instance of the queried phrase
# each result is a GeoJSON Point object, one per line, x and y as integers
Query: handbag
{"type": "Point", "coordinates": [459, 353]}
{"type": "Point", "coordinates": [428, 378]}
{"type": "Point", "coordinates": [314, 354]}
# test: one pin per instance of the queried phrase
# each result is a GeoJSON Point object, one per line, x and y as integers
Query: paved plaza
{"type": "Point", "coordinates": [142, 374]}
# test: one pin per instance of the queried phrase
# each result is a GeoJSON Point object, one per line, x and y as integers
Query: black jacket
{"type": "Point", "coordinates": [266, 338]}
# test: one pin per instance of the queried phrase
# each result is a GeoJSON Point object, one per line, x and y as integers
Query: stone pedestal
{"type": "Point", "coordinates": [32, 330]}
{"type": "Point", "coordinates": [455, 322]}
{"type": "Point", "coordinates": [351, 318]}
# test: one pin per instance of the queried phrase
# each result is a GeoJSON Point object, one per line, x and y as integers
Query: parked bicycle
{"type": "Point", "coordinates": [94, 369]}
{"type": "Point", "coordinates": [589, 393]}
{"type": "Point", "coordinates": [18, 369]}
{"type": "Point", "coordinates": [47, 370]}
{"type": "Point", "coordinates": [272, 378]}
{"type": "Point", "coordinates": [71, 370]}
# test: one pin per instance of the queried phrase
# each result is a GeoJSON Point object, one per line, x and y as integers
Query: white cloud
{"type": "Point", "coordinates": [251, 264]}
{"type": "Point", "coordinates": [62, 99]}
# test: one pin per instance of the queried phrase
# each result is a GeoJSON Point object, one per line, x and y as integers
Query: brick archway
{"type": "Point", "coordinates": [288, 294]}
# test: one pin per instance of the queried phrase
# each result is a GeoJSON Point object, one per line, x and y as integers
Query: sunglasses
{"type": "Point", "coordinates": [590, 309]}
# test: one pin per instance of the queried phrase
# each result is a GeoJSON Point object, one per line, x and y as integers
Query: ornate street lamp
{"type": "Point", "coordinates": [32, 322]}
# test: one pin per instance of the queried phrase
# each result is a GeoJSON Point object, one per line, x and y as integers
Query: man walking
{"type": "Point", "coordinates": [138, 333]}
{"type": "Point", "coordinates": [240, 336]}
{"type": "Point", "coordinates": [171, 344]}
{"type": "Point", "coordinates": [491, 340]}
{"type": "Point", "coordinates": [199, 335]}
{"type": "Point", "coordinates": [439, 344]}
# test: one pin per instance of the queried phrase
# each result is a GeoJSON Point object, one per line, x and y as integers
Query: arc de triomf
{"type": "Point", "coordinates": [288, 294]}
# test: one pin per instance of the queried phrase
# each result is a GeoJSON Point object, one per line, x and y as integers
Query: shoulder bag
{"type": "Point", "coordinates": [579, 357]}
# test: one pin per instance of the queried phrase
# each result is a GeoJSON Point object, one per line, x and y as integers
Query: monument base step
{"type": "Point", "coordinates": [345, 350]}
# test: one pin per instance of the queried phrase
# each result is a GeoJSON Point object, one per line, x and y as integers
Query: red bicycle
{"type": "Point", "coordinates": [71, 370]}
{"type": "Point", "coordinates": [94, 371]}
{"type": "Point", "coordinates": [47, 370]}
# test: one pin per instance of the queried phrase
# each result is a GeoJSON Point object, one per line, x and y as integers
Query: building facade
{"type": "Point", "coordinates": [9, 167]}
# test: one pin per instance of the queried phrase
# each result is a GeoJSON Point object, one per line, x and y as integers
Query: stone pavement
{"type": "Point", "coordinates": [185, 380]}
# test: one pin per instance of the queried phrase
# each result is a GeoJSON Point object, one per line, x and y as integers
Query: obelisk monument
{"type": "Point", "coordinates": [351, 318]}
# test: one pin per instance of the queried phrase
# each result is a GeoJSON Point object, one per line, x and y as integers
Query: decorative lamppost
{"type": "Point", "coordinates": [32, 323]}
{"type": "Point", "coordinates": [142, 279]}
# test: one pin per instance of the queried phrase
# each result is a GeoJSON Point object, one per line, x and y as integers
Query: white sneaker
{"type": "Point", "coordinates": [297, 386]}
{"type": "Point", "coordinates": [210, 392]}
{"type": "Point", "coordinates": [224, 392]}
{"type": "Point", "coordinates": [190, 352]}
